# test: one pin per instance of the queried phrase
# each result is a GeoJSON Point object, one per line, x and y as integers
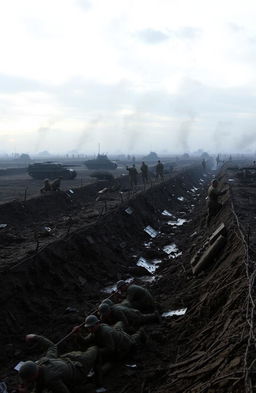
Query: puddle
{"type": "Point", "coordinates": [151, 266]}
{"type": "Point", "coordinates": [129, 210]}
{"type": "Point", "coordinates": [179, 222]}
{"type": "Point", "coordinates": [182, 311]}
{"type": "Point", "coordinates": [112, 288]}
{"type": "Point", "coordinates": [166, 213]}
{"type": "Point", "coordinates": [172, 250]}
{"type": "Point", "coordinates": [151, 231]}
{"type": "Point", "coordinates": [181, 198]}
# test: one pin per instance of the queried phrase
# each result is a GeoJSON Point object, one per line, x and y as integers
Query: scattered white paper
{"type": "Point", "coordinates": [181, 198]}
{"type": "Point", "coordinates": [71, 191]}
{"type": "Point", "coordinates": [18, 366]}
{"type": "Point", "coordinates": [100, 390]}
{"type": "Point", "coordinates": [179, 222]}
{"type": "Point", "coordinates": [131, 365]}
{"type": "Point", "coordinates": [129, 210]}
{"type": "Point", "coordinates": [166, 213]}
{"type": "Point", "coordinates": [151, 231]}
{"type": "Point", "coordinates": [182, 311]}
{"type": "Point", "coordinates": [149, 266]}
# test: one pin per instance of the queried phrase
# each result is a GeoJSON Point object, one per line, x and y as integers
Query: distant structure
{"type": "Point", "coordinates": [152, 156]}
{"type": "Point", "coordinates": [101, 162]}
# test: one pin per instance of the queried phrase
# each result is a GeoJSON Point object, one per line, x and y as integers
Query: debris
{"type": "Point", "coordinates": [166, 213]}
{"type": "Point", "coordinates": [181, 198]}
{"type": "Point", "coordinates": [209, 254]}
{"type": "Point", "coordinates": [18, 366]}
{"type": "Point", "coordinates": [129, 210]}
{"type": "Point", "coordinates": [181, 311]}
{"type": "Point", "coordinates": [103, 190]}
{"type": "Point", "coordinates": [45, 231]}
{"type": "Point", "coordinates": [148, 244]}
{"type": "Point", "coordinates": [3, 226]}
{"type": "Point", "coordinates": [149, 266]}
{"type": "Point", "coordinates": [172, 249]}
{"type": "Point", "coordinates": [3, 387]}
{"type": "Point", "coordinates": [100, 390]}
{"type": "Point", "coordinates": [131, 365]}
{"type": "Point", "coordinates": [151, 231]}
{"type": "Point", "coordinates": [71, 310]}
{"type": "Point", "coordinates": [71, 191]}
{"type": "Point", "coordinates": [179, 222]}
{"type": "Point", "coordinates": [221, 230]}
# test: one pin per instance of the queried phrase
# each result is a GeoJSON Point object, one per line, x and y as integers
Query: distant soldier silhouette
{"type": "Point", "coordinates": [159, 170]}
{"type": "Point", "coordinates": [47, 186]}
{"type": "Point", "coordinates": [144, 172]}
{"type": "Point", "coordinates": [133, 175]}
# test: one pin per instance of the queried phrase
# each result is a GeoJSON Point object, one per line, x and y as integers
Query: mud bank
{"type": "Point", "coordinates": [71, 272]}
{"type": "Point", "coordinates": [200, 351]}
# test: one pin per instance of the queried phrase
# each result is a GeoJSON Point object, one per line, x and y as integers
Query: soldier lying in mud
{"type": "Point", "coordinates": [101, 348]}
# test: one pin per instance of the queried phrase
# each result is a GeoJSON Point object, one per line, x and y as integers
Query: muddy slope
{"type": "Point", "coordinates": [202, 350]}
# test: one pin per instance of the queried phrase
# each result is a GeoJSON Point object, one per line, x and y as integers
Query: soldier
{"type": "Point", "coordinates": [133, 173]}
{"type": "Point", "coordinates": [213, 205]}
{"type": "Point", "coordinates": [55, 186]}
{"type": "Point", "coordinates": [57, 373]}
{"type": "Point", "coordinates": [113, 344]}
{"type": "Point", "coordinates": [218, 160]}
{"type": "Point", "coordinates": [144, 172]}
{"type": "Point", "coordinates": [136, 297]}
{"type": "Point", "coordinates": [47, 186]}
{"type": "Point", "coordinates": [111, 314]}
{"type": "Point", "coordinates": [204, 165]}
{"type": "Point", "coordinates": [159, 170]}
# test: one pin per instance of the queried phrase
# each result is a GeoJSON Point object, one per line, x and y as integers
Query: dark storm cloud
{"type": "Point", "coordinates": [150, 36]}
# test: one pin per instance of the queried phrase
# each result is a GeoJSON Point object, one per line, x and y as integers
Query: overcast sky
{"type": "Point", "coordinates": [163, 75]}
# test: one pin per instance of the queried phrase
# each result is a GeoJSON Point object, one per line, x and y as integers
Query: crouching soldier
{"type": "Point", "coordinates": [46, 187]}
{"type": "Point", "coordinates": [136, 297]}
{"type": "Point", "coordinates": [56, 373]}
{"type": "Point", "coordinates": [130, 317]}
{"type": "Point", "coordinates": [55, 186]}
{"type": "Point", "coordinates": [113, 344]}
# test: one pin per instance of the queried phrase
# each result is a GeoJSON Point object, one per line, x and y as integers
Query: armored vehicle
{"type": "Point", "coordinates": [101, 162]}
{"type": "Point", "coordinates": [50, 170]}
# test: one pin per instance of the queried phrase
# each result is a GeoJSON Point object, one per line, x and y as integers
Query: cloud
{"type": "Point", "coordinates": [150, 36]}
{"type": "Point", "coordinates": [84, 4]}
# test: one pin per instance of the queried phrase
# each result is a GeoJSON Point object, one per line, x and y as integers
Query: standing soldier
{"type": "Point", "coordinates": [213, 205]}
{"type": "Point", "coordinates": [159, 170]}
{"type": "Point", "coordinates": [133, 173]}
{"type": "Point", "coordinates": [204, 165]}
{"type": "Point", "coordinates": [218, 160]}
{"type": "Point", "coordinates": [144, 172]}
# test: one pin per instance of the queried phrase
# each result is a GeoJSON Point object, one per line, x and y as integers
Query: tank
{"type": "Point", "coordinates": [101, 162]}
{"type": "Point", "coordinates": [50, 170]}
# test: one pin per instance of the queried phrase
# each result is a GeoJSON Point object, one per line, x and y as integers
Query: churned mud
{"type": "Point", "coordinates": [205, 340]}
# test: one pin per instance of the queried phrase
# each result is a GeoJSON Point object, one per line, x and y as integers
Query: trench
{"type": "Point", "coordinates": [150, 239]}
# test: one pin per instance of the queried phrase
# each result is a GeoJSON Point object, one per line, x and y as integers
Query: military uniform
{"type": "Point", "coordinates": [127, 315]}
{"type": "Point", "coordinates": [57, 374]}
{"type": "Point", "coordinates": [144, 172]}
{"type": "Point", "coordinates": [213, 205]}
{"type": "Point", "coordinates": [112, 343]}
{"type": "Point", "coordinates": [133, 173]}
{"type": "Point", "coordinates": [160, 170]}
{"type": "Point", "coordinates": [139, 298]}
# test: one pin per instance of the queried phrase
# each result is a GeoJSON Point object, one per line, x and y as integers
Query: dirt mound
{"type": "Point", "coordinates": [203, 349]}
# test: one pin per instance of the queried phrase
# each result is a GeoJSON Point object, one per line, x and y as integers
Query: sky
{"type": "Point", "coordinates": [171, 76]}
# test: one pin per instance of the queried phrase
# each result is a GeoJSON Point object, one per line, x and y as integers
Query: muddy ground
{"type": "Point", "coordinates": [208, 349]}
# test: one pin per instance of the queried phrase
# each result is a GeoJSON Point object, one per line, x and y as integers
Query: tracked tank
{"type": "Point", "coordinates": [50, 170]}
{"type": "Point", "coordinates": [101, 162]}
